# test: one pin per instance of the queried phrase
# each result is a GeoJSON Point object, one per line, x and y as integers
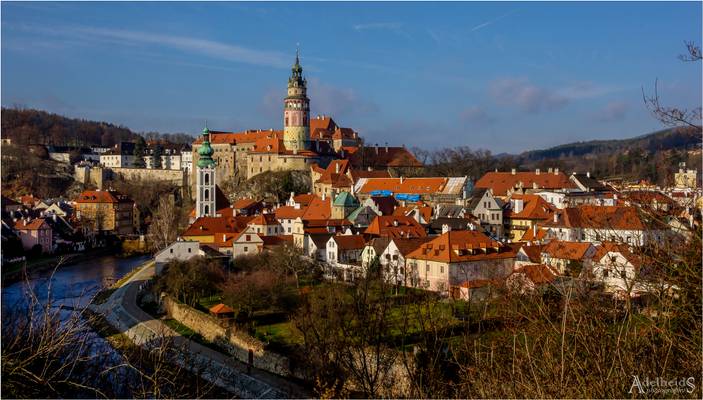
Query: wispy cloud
{"type": "Point", "coordinates": [492, 21]}
{"type": "Point", "coordinates": [613, 111]}
{"type": "Point", "coordinates": [476, 115]}
{"type": "Point", "coordinates": [210, 48]}
{"type": "Point", "coordinates": [525, 95]}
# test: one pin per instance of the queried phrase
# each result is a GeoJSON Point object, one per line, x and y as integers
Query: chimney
{"type": "Point", "coordinates": [376, 148]}
{"type": "Point", "coordinates": [395, 222]}
{"type": "Point", "coordinates": [537, 171]}
{"type": "Point", "coordinates": [224, 237]}
{"type": "Point", "coordinates": [369, 168]}
{"type": "Point", "coordinates": [556, 171]}
{"type": "Point", "coordinates": [588, 174]}
{"type": "Point", "coordinates": [517, 205]}
{"type": "Point", "coordinates": [324, 196]}
{"type": "Point", "coordinates": [556, 218]}
{"type": "Point", "coordinates": [550, 170]}
{"type": "Point", "coordinates": [386, 147]}
{"type": "Point", "coordinates": [336, 168]}
{"type": "Point", "coordinates": [445, 228]}
{"type": "Point", "coordinates": [402, 178]}
{"type": "Point", "coordinates": [534, 229]}
{"type": "Point", "coordinates": [512, 171]}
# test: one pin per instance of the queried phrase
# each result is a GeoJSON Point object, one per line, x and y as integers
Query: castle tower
{"type": "Point", "coordinates": [205, 180]}
{"type": "Point", "coordinates": [296, 110]}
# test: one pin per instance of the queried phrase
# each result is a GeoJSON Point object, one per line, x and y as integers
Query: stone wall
{"type": "Point", "coordinates": [176, 177]}
{"type": "Point", "coordinates": [236, 342]}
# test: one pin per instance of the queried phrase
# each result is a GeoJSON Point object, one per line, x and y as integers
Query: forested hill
{"type": "Point", "coordinates": [668, 139]}
{"type": "Point", "coordinates": [28, 126]}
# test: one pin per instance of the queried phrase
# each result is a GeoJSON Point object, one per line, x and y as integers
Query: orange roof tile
{"type": "Point", "coordinates": [221, 309]}
{"type": "Point", "coordinates": [567, 250]}
{"type": "Point", "coordinates": [534, 207]}
{"type": "Point", "coordinates": [502, 182]}
{"type": "Point", "coordinates": [318, 209]}
{"type": "Point", "coordinates": [33, 225]}
{"type": "Point", "coordinates": [459, 246]}
{"type": "Point", "coordinates": [349, 242]}
{"type": "Point", "coordinates": [408, 185]}
{"type": "Point", "coordinates": [102, 196]}
{"type": "Point", "coordinates": [206, 226]}
{"type": "Point", "coordinates": [264, 219]}
{"type": "Point", "coordinates": [289, 212]}
{"type": "Point", "coordinates": [537, 273]}
{"type": "Point", "coordinates": [395, 226]}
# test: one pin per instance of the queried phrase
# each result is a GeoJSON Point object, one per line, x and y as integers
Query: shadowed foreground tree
{"type": "Point", "coordinates": [50, 349]}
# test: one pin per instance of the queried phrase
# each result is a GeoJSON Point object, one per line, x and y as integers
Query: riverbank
{"type": "Point", "coordinates": [12, 273]}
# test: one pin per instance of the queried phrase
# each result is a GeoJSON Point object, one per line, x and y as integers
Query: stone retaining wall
{"type": "Point", "coordinates": [236, 342]}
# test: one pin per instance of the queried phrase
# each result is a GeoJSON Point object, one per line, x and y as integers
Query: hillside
{"type": "Point", "coordinates": [668, 139]}
{"type": "Point", "coordinates": [28, 126]}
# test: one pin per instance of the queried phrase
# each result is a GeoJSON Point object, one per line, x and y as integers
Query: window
{"type": "Point", "coordinates": [289, 229]}
{"type": "Point", "coordinates": [207, 179]}
{"type": "Point", "coordinates": [207, 194]}
{"type": "Point", "coordinates": [248, 238]}
{"type": "Point", "coordinates": [427, 268]}
{"type": "Point", "coordinates": [171, 251]}
{"type": "Point", "coordinates": [605, 272]}
{"type": "Point", "coordinates": [246, 249]}
{"type": "Point", "coordinates": [189, 249]}
{"type": "Point", "coordinates": [441, 269]}
{"type": "Point", "coordinates": [207, 210]}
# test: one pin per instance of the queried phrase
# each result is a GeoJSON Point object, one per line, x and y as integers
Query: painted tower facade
{"type": "Point", "coordinates": [205, 179]}
{"type": "Point", "coordinates": [296, 111]}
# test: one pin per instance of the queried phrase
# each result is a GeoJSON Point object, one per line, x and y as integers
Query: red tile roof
{"type": "Point", "coordinates": [382, 157]}
{"type": "Point", "coordinates": [534, 207]}
{"type": "Point", "coordinates": [349, 242]}
{"type": "Point", "coordinates": [102, 196]}
{"type": "Point", "coordinates": [289, 212]}
{"type": "Point", "coordinates": [395, 226]}
{"type": "Point", "coordinates": [460, 246]}
{"type": "Point", "coordinates": [575, 251]}
{"type": "Point", "coordinates": [264, 219]}
{"type": "Point", "coordinates": [405, 185]}
{"type": "Point", "coordinates": [318, 209]}
{"type": "Point", "coordinates": [33, 225]}
{"type": "Point", "coordinates": [502, 182]}
{"type": "Point", "coordinates": [250, 136]}
{"type": "Point", "coordinates": [221, 309]}
{"type": "Point", "coordinates": [537, 273]}
{"type": "Point", "coordinates": [206, 226]}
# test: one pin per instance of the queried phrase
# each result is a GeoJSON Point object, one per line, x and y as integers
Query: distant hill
{"type": "Point", "coordinates": [28, 126]}
{"type": "Point", "coordinates": [668, 139]}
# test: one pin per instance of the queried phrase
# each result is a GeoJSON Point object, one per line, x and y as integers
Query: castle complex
{"type": "Point", "coordinates": [303, 142]}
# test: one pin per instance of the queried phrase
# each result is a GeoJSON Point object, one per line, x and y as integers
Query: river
{"type": "Point", "coordinates": [72, 284]}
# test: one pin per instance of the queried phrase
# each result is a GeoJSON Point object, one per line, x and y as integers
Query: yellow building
{"type": "Point", "coordinates": [106, 211]}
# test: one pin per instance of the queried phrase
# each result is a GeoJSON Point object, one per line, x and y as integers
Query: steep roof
{"type": "Point", "coordinates": [537, 273]}
{"type": "Point", "coordinates": [264, 219]}
{"type": "Point", "coordinates": [407, 245]}
{"type": "Point", "coordinates": [502, 182]}
{"type": "Point", "coordinates": [206, 226]}
{"type": "Point", "coordinates": [383, 157]}
{"type": "Point", "coordinates": [345, 199]}
{"type": "Point", "coordinates": [221, 309]}
{"type": "Point", "coordinates": [459, 246]}
{"type": "Point", "coordinates": [437, 185]}
{"type": "Point", "coordinates": [534, 207]}
{"type": "Point", "coordinates": [385, 204]}
{"type": "Point", "coordinates": [349, 242]}
{"type": "Point", "coordinates": [567, 250]}
{"type": "Point", "coordinates": [32, 225]}
{"type": "Point", "coordinates": [395, 226]}
{"type": "Point", "coordinates": [289, 212]}
{"type": "Point", "coordinates": [357, 174]}
{"type": "Point", "coordinates": [318, 209]}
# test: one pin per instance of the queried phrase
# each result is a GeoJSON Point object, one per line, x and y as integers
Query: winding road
{"type": "Point", "coordinates": [123, 313]}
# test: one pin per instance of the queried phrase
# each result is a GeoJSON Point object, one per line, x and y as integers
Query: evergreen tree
{"type": "Point", "coordinates": [139, 152]}
{"type": "Point", "coordinates": [158, 151]}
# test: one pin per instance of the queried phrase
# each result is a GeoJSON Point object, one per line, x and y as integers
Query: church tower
{"type": "Point", "coordinates": [205, 179]}
{"type": "Point", "coordinates": [296, 110]}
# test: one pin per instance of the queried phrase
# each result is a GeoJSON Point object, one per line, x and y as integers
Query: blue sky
{"type": "Point", "coordinates": [501, 76]}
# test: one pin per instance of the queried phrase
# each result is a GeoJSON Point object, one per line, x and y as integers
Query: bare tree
{"type": "Point", "coordinates": [163, 229]}
{"type": "Point", "coordinates": [675, 116]}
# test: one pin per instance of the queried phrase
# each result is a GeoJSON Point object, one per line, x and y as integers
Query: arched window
{"type": "Point", "coordinates": [207, 179]}
{"type": "Point", "coordinates": [207, 194]}
{"type": "Point", "coordinates": [286, 121]}
{"type": "Point", "coordinates": [207, 210]}
{"type": "Point", "coordinates": [305, 120]}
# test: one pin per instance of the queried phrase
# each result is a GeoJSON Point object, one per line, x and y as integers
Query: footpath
{"type": "Point", "coordinates": [123, 313]}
